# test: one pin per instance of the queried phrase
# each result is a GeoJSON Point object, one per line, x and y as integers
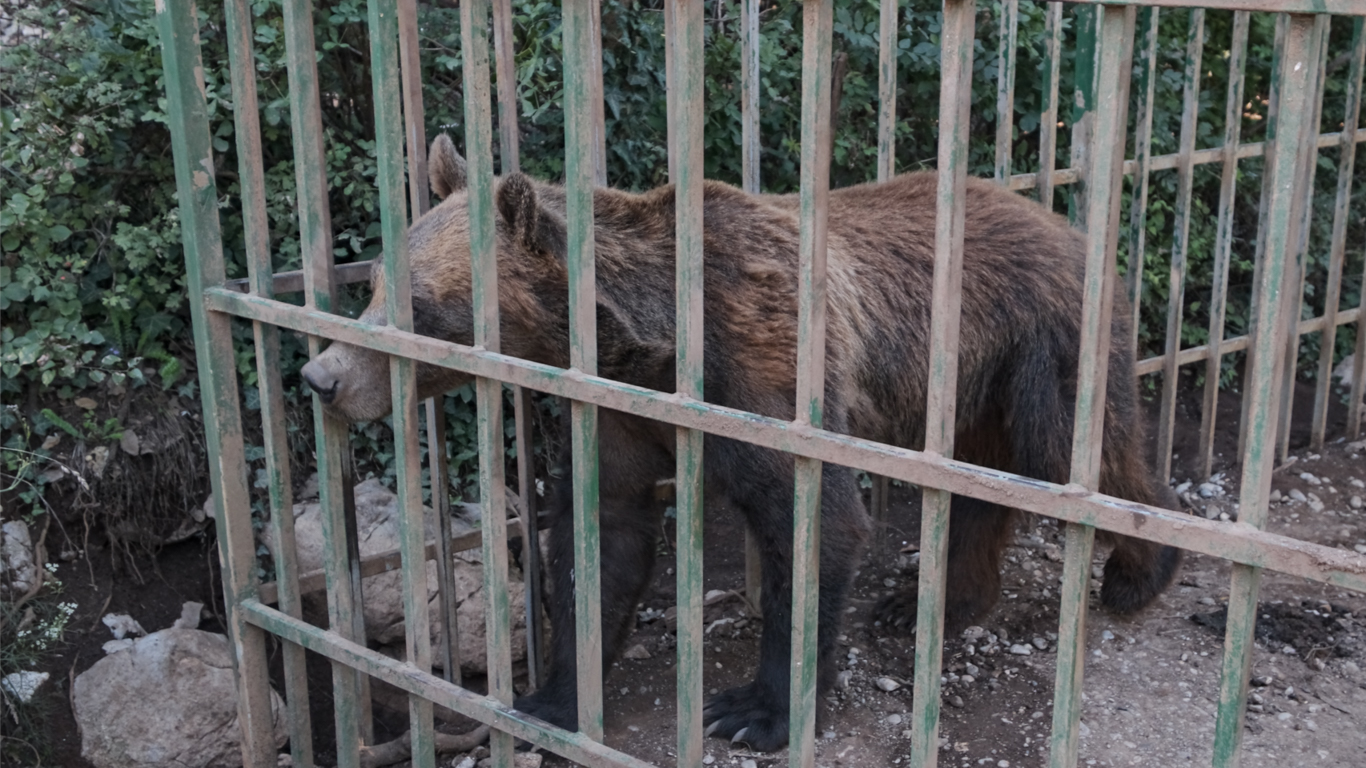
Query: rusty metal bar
{"type": "Point", "coordinates": [1143, 141]}
{"type": "Point", "coordinates": [1346, 158]}
{"type": "Point", "coordinates": [688, 116]}
{"type": "Point", "coordinates": [888, 20]}
{"type": "Point", "coordinates": [580, 142]}
{"type": "Point", "coordinates": [1048, 123]}
{"type": "Point", "coordinates": [1106, 155]}
{"type": "Point", "coordinates": [1283, 215]}
{"type": "Point", "coordinates": [1223, 245]}
{"type": "Point", "coordinates": [1190, 108]}
{"type": "Point", "coordinates": [178, 26]}
{"type": "Point", "coordinates": [483, 709]}
{"type": "Point", "coordinates": [1065, 503]}
{"type": "Point", "coordinates": [1005, 87]}
{"type": "Point", "coordinates": [955, 91]}
{"type": "Point", "coordinates": [817, 34]}
{"type": "Point", "coordinates": [1305, 184]}
{"type": "Point", "coordinates": [246, 122]}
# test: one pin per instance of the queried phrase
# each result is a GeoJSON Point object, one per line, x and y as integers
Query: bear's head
{"type": "Point", "coordinates": [353, 382]}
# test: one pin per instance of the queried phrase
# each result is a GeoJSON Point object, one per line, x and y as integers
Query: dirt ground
{"type": "Point", "coordinates": [1151, 681]}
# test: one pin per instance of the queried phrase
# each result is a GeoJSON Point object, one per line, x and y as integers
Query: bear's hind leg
{"type": "Point", "coordinates": [1137, 571]}
{"type": "Point", "coordinates": [978, 532]}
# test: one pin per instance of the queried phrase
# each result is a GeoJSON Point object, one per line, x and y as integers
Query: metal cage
{"type": "Point", "coordinates": [1106, 44]}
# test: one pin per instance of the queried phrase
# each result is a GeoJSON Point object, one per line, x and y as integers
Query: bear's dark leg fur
{"type": "Point", "coordinates": [628, 516]}
{"type": "Point", "coordinates": [978, 532]}
{"type": "Point", "coordinates": [757, 713]}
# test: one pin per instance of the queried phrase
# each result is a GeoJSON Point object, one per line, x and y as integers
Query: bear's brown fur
{"type": "Point", "coordinates": [1021, 299]}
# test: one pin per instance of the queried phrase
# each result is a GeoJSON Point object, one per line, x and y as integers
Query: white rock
{"type": "Point", "coordinates": [1360, 548]}
{"type": "Point", "coordinates": [114, 646]}
{"type": "Point", "coordinates": [1308, 478]}
{"type": "Point", "coordinates": [1040, 643]}
{"type": "Point", "coordinates": [171, 699]}
{"type": "Point", "coordinates": [1344, 371]}
{"type": "Point", "coordinates": [1210, 490]}
{"type": "Point", "coordinates": [1275, 496]}
{"type": "Point", "coordinates": [887, 684]}
{"type": "Point", "coordinates": [18, 569]}
{"type": "Point", "coordinates": [189, 616]}
{"type": "Point", "coordinates": [1021, 650]}
{"type": "Point", "coordinates": [1355, 502]}
{"type": "Point", "coordinates": [22, 685]}
{"type": "Point", "coordinates": [894, 719]}
{"type": "Point", "coordinates": [122, 625]}
{"type": "Point", "coordinates": [636, 652]}
{"type": "Point", "coordinates": [377, 517]}
{"type": "Point", "coordinates": [1297, 495]}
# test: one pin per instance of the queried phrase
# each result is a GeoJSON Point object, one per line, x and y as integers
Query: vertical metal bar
{"type": "Point", "coordinates": [886, 89]}
{"type": "Point", "coordinates": [1318, 53]}
{"type": "Point", "coordinates": [1223, 244]}
{"type": "Point", "coordinates": [1346, 159]}
{"type": "Point", "coordinates": [178, 25]}
{"type": "Point", "coordinates": [688, 117]}
{"type": "Point", "coordinates": [1107, 153]}
{"type": "Point", "coordinates": [1005, 88]}
{"type": "Point", "coordinates": [1143, 142]}
{"type": "Point", "coordinates": [1190, 109]}
{"type": "Point", "coordinates": [599, 111]}
{"type": "Point", "coordinates": [505, 55]}
{"type": "Point", "coordinates": [749, 160]}
{"type": "Point", "coordinates": [351, 695]}
{"type": "Point", "coordinates": [669, 24]}
{"type": "Point", "coordinates": [1048, 124]}
{"type": "Point", "coordinates": [1273, 105]}
{"type": "Point", "coordinates": [247, 126]}
{"type": "Point", "coordinates": [411, 72]}
{"type": "Point", "coordinates": [583, 356]}
{"type": "Point", "coordinates": [509, 154]}
{"type": "Point", "coordinates": [398, 307]}
{"type": "Point", "coordinates": [956, 48]}
{"type": "Point", "coordinates": [1284, 139]}
{"type": "Point", "coordinates": [474, 44]}
{"type": "Point", "coordinates": [1359, 368]}
{"type": "Point", "coordinates": [811, 306]}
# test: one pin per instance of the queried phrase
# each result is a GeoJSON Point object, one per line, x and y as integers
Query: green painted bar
{"type": "Point", "coordinates": [505, 56]}
{"type": "Point", "coordinates": [817, 31]}
{"type": "Point", "coordinates": [1305, 185]}
{"type": "Point", "coordinates": [1102, 237]}
{"type": "Point", "coordinates": [1290, 556]}
{"type": "Point", "coordinates": [956, 49]}
{"type": "Point", "coordinates": [1333, 294]}
{"type": "Point", "coordinates": [1005, 87]}
{"type": "Point", "coordinates": [247, 126]}
{"type": "Point", "coordinates": [1359, 369]}
{"type": "Point", "coordinates": [1048, 123]}
{"type": "Point", "coordinates": [197, 195]}
{"type": "Point", "coordinates": [688, 116]}
{"type": "Point", "coordinates": [1083, 108]}
{"type": "Point", "coordinates": [1223, 244]}
{"type": "Point", "coordinates": [888, 21]}
{"type": "Point", "coordinates": [1143, 141]}
{"type": "Point", "coordinates": [474, 43]}
{"type": "Point", "coordinates": [409, 52]}
{"type": "Point", "coordinates": [579, 176]}
{"type": "Point", "coordinates": [482, 709]}
{"type": "Point", "coordinates": [750, 150]}
{"type": "Point", "coordinates": [1263, 380]}
{"type": "Point", "coordinates": [598, 104]}
{"type": "Point", "coordinates": [1190, 107]}
{"type": "Point", "coordinates": [390, 181]}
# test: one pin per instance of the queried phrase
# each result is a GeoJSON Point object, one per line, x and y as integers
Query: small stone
{"type": "Point", "coordinates": [1297, 495]}
{"type": "Point", "coordinates": [638, 652]}
{"type": "Point", "coordinates": [1021, 650]}
{"type": "Point", "coordinates": [1289, 650]}
{"type": "Point", "coordinates": [1355, 502]}
{"type": "Point", "coordinates": [1182, 488]}
{"type": "Point", "coordinates": [1308, 478]}
{"type": "Point", "coordinates": [956, 701]}
{"type": "Point", "coordinates": [1207, 601]}
{"type": "Point", "coordinates": [1107, 635]}
{"type": "Point", "coordinates": [1261, 681]}
{"type": "Point", "coordinates": [889, 582]}
{"type": "Point", "coordinates": [1212, 512]}
{"type": "Point", "coordinates": [748, 764]}
{"type": "Point", "coordinates": [22, 685]}
{"type": "Point", "coordinates": [708, 760]}
{"type": "Point", "coordinates": [1210, 490]}
{"type": "Point", "coordinates": [974, 632]}
{"type": "Point", "coordinates": [1284, 716]}
{"type": "Point", "coordinates": [1258, 708]}
{"type": "Point", "coordinates": [967, 679]}
{"type": "Point", "coordinates": [1360, 548]}
{"type": "Point", "coordinates": [842, 681]}
{"type": "Point", "coordinates": [1275, 496]}
{"type": "Point", "coordinates": [1040, 643]}
{"type": "Point", "coordinates": [894, 719]}
{"type": "Point", "coordinates": [887, 684]}
{"type": "Point", "coordinates": [1003, 764]}
{"type": "Point", "coordinates": [1316, 506]}
{"type": "Point", "coordinates": [86, 403]}
{"type": "Point", "coordinates": [972, 669]}
{"type": "Point", "coordinates": [1311, 725]}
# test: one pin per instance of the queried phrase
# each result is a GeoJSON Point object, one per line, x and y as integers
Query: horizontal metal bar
{"type": "Point", "coordinates": [1236, 542]}
{"type": "Point", "coordinates": [405, 677]}
{"type": "Point", "coordinates": [1337, 7]}
{"type": "Point", "coordinates": [389, 560]}
{"type": "Point", "coordinates": [293, 280]}
{"type": "Point", "coordinates": [1063, 176]}
{"type": "Point", "coordinates": [1239, 343]}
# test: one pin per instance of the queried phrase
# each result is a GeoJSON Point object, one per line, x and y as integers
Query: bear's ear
{"type": "Point", "coordinates": [445, 167]}
{"type": "Point", "coordinates": [533, 227]}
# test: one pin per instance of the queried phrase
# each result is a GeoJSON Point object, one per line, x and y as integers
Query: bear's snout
{"type": "Point", "coordinates": [320, 380]}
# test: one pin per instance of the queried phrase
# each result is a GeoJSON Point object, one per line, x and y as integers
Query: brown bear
{"type": "Point", "coordinates": [1022, 287]}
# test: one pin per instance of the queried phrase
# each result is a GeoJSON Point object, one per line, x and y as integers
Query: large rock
{"type": "Point", "coordinates": [18, 566]}
{"type": "Point", "coordinates": [377, 517]}
{"type": "Point", "coordinates": [170, 699]}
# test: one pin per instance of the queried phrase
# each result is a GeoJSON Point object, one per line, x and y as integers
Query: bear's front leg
{"type": "Point", "coordinates": [757, 713]}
